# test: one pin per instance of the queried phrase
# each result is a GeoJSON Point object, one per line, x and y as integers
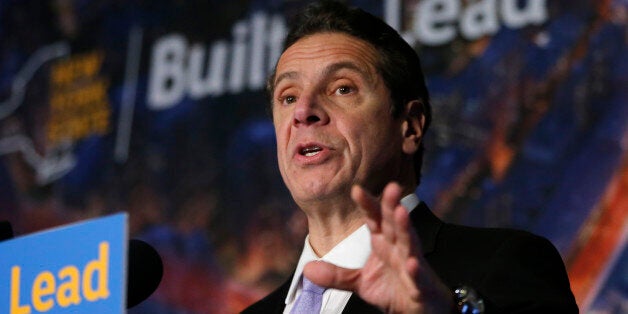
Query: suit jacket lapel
{"type": "Point", "coordinates": [427, 226]}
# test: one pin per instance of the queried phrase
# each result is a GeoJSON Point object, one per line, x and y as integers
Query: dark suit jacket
{"type": "Point", "coordinates": [513, 271]}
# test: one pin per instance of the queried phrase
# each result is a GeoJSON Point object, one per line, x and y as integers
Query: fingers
{"type": "Point", "coordinates": [403, 232]}
{"type": "Point", "coordinates": [386, 217]}
{"type": "Point", "coordinates": [327, 275]}
{"type": "Point", "coordinates": [390, 200]}
{"type": "Point", "coordinates": [380, 214]}
{"type": "Point", "coordinates": [370, 205]}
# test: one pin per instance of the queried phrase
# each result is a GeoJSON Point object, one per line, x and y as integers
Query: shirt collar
{"type": "Point", "coordinates": [352, 252]}
{"type": "Point", "coordinates": [410, 201]}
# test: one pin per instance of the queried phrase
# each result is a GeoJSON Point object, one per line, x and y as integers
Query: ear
{"type": "Point", "coordinates": [412, 126]}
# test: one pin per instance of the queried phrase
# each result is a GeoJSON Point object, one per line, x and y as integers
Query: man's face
{"type": "Point", "coordinates": [331, 111]}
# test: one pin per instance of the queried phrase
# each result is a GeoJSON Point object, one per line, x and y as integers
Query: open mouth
{"type": "Point", "coordinates": [310, 151]}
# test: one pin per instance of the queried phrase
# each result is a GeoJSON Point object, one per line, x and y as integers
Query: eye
{"type": "Point", "coordinates": [343, 90]}
{"type": "Point", "coordinates": [287, 100]}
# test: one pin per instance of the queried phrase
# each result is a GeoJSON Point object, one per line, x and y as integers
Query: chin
{"type": "Point", "coordinates": [319, 191]}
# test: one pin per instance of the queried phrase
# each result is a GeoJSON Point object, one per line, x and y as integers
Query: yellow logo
{"type": "Point", "coordinates": [68, 287]}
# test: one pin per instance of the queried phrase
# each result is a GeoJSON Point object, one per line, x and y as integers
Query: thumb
{"type": "Point", "coordinates": [331, 276]}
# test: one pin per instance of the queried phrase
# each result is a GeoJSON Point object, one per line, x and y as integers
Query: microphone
{"type": "Point", "coordinates": [6, 231]}
{"type": "Point", "coordinates": [144, 271]}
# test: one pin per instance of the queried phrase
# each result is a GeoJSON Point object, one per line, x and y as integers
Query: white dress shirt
{"type": "Point", "coordinates": [352, 252]}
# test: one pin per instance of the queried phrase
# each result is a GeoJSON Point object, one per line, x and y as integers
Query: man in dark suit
{"type": "Point", "coordinates": [350, 108]}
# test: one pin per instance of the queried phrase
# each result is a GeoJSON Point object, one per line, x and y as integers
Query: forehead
{"type": "Point", "coordinates": [315, 52]}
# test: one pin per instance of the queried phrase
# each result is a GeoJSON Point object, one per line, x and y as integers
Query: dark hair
{"type": "Point", "coordinates": [399, 64]}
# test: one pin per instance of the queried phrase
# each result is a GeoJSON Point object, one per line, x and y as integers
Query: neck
{"type": "Point", "coordinates": [331, 221]}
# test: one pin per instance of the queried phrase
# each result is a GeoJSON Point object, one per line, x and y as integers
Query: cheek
{"type": "Point", "coordinates": [359, 137]}
{"type": "Point", "coordinates": [379, 140]}
{"type": "Point", "coordinates": [282, 140]}
{"type": "Point", "coordinates": [282, 131]}
{"type": "Point", "coordinates": [281, 116]}
{"type": "Point", "coordinates": [282, 164]}
{"type": "Point", "coordinates": [282, 150]}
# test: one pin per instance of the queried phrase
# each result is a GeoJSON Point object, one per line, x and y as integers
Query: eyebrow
{"type": "Point", "coordinates": [332, 68]}
{"type": "Point", "coordinates": [335, 67]}
{"type": "Point", "coordinates": [285, 75]}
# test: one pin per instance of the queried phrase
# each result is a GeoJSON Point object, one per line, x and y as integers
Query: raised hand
{"type": "Point", "coordinates": [396, 278]}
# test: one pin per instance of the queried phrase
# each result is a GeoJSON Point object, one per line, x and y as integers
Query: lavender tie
{"type": "Point", "coordinates": [310, 299]}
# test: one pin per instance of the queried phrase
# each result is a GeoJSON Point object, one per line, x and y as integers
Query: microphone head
{"type": "Point", "coordinates": [6, 231]}
{"type": "Point", "coordinates": [145, 270]}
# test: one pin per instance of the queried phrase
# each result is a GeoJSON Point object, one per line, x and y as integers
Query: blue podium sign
{"type": "Point", "coordinates": [77, 268]}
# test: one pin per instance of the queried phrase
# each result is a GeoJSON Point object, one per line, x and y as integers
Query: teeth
{"type": "Point", "coordinates": [311, 151]}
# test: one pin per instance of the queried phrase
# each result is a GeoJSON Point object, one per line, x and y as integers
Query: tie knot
{"type": "Point", "coordinates": [312, 287]}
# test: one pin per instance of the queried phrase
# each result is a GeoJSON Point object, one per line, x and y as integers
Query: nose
{"type": "Point", "coordinates": [309, 111]}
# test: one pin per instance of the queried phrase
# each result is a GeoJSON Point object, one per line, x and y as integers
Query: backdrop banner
{"type": "Point", "coordinates": [158, 108]}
